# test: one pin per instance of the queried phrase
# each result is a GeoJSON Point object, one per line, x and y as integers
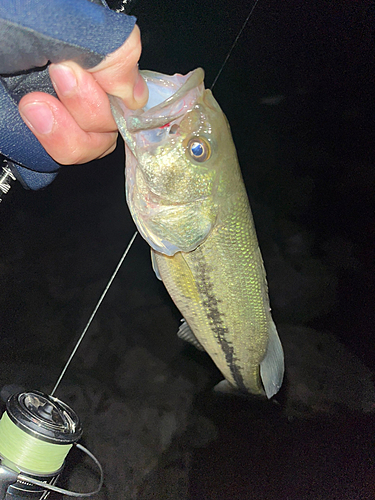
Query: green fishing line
{"type": "Point", "coordinates": [29, 452]}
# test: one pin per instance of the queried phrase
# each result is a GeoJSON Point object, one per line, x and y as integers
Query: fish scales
{"type": "Point", "coordinates": [186, 194]}
{"type": "Point", "coordinates": [225, 269]}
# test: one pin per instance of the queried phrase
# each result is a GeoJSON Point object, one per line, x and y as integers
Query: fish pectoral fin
{"type": "Point", "coordinates": [272, 365]}
{"type": "Point", "coordinates": [155, 266]}
{"type": "Point", "coordinates": [186, 333]}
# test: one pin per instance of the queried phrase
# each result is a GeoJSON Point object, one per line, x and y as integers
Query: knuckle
{"type": "Point", "coordinates": [133, 46]}
{"type": "Point", "coordinates": [108, 151]}
{"type": "Point", "coordinates": [94, 146]}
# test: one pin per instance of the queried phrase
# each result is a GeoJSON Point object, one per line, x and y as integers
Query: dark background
{"type": "Point", "coordinates": [298, 92]}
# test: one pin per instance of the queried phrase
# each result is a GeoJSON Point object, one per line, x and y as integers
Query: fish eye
{"type": "Point", "coordinates": [199, 149]}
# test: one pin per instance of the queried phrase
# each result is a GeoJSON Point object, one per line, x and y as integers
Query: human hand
{"type": "Point", "coordinates": [79, 127]}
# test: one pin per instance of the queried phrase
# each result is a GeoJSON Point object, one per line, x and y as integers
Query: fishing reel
{"type": "Point", "coordinates": [37, 432]}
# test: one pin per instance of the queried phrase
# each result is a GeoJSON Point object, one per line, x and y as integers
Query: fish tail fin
{"type": "Point", "coordinates": [272, 365]}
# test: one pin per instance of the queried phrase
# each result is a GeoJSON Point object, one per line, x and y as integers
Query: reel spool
{"type": "Point", "coordinates": [37, 432]}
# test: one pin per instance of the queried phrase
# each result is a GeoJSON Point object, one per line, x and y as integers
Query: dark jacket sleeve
{"type": "Point", "coordinates": [32, 34]}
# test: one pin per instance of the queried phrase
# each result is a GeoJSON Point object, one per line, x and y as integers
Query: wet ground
{"type": "Point", "coordinates": [299, 100]}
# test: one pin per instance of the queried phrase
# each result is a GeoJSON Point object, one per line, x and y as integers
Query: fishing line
{"type": "Point", "coordinates": [94, 312]}
{"type": "Point", "coordinates": [78, 343]}
{"type": "Point", "coordinates": [38, 430]}
{"type": "Point", "coordinates": [234, 43]}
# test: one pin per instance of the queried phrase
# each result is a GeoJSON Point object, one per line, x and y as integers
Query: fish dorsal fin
{"type": "Point", "coordinates": [272, 365]}
{"type": "Point", "coordinates": [186, 333]}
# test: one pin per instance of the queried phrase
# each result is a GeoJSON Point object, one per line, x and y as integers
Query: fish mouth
{"type": "Point", "coordinates": [170, 97]}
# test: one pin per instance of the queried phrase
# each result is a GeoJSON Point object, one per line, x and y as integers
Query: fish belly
{"type": "Point", "coordinates": [221, 290]}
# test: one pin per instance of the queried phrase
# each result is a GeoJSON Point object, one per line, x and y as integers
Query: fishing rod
{"type": "Point", "coordinates": [38, 430]}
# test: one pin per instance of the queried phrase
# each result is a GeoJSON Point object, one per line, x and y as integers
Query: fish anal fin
{"type": "Point", "coordinates": [186, 333]}
{"type": "Point", "coordinates": [225, 387]}
{"type": "Point", "coordinates": [272, 365]}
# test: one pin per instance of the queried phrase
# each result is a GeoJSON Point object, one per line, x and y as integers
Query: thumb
{"type": "Point", "coordinates": [118, 73]}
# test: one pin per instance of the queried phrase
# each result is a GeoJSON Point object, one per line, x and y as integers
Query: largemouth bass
{"type": "Point", "coordinates": [186, 195]}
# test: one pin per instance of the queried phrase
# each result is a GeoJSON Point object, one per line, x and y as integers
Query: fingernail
{"type": "Point", "coordinates": [39, 116]}
{"type": "Point", "coordinates": [63, 78]}
{"type": "Point", "coordinates": [140, 92]}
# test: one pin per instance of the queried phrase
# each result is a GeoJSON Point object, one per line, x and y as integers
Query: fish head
{"type": "Point", "coordinates": [177, 150]}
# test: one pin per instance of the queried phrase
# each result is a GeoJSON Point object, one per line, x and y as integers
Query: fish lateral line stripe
{"type": "Point", "coordinates": [217, 323]}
